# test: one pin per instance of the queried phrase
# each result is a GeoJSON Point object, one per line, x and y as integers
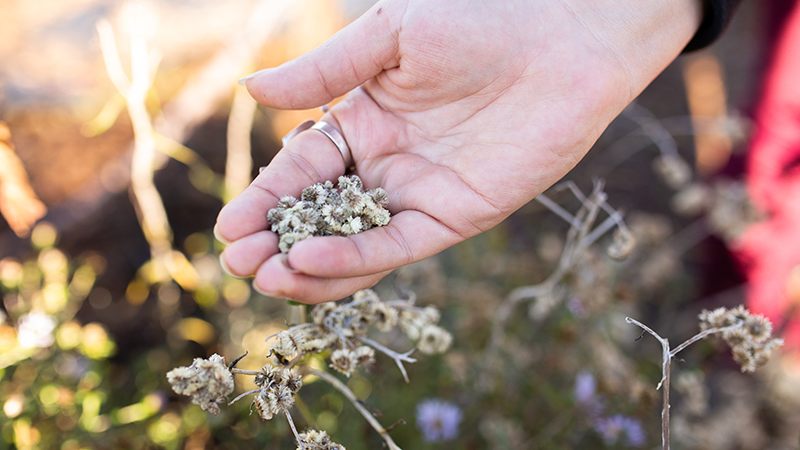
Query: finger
{"type": "Point", "coordinates": [276, 279]}
{"type": "Point", "coordinates": [308, 158]}
{"type": "Point", "coordinates": [410, 236]}
{"type": "Point", "coordinates": [243, 257]}
{"type": "Point", "coordinates": [355, 54]}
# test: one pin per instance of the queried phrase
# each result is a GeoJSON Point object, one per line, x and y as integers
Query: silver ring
{"type": "Point", "coordinates": [338, 140]}
{"type": "Point", "coordinates": [296, 130]}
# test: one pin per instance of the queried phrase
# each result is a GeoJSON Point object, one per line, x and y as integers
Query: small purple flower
{"type": "Point", "coordinates": [576, 307]}
{"type": "Point", "coordinates": [585, 387]}
{"type": "Point", "coordinates": [586, 394]}
{"type": "Point", "coordinates": [619, 428]}
{"type": "Point", "coordinates": [438, 420]}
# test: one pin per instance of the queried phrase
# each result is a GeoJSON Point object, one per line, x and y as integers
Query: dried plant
{"type": "Point", "coordinates": [337, 331]}
{"type": "Point", "coordinates": [324, 211]}
{"type": "Point", "coordinates": [584, 231]}
{"type": "Point", "coordinates": [748, 335]}
{"type": "Point", "coordinates": [134, 89]}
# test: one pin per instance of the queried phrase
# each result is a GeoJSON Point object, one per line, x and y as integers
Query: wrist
{"type": "Point", "coordinates": [644, 35]}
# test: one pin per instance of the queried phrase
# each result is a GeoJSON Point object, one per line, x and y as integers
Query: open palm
{"type": "Point", "coordinates": [462, 110]}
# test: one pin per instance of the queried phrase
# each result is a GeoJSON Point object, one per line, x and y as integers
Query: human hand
{"type": "Point", "coordinates": [462, 110]}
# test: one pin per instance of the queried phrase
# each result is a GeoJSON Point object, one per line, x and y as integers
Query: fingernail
{"type": "Point", "coordinates": [262, 291]}
{"type": "Point", "coordinates": [225, 267]}
{"type": "Point", "coordinates": [285, 261]}
{"type": "Point", "coordinates": [218, 236]}
{"type": "Point", "coordinates": [266, 293]}
{"type": "Point", "coordinates": [243, 80]}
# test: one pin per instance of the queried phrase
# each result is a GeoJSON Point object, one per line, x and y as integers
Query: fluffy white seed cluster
{"type": "Point", "coordinates": [207, 381]}
{"type": "Point", "coordinates": [317, 440]}
{"type": "Point", "coordinates": [751, 341]}
{"type": "Point", "coordinates": [325, 210]}
{"type": "Point", "coordinates": [277, 388]}
{"type": "Point", "coordinates": [673, 169]}
{"type": "Point", "coordinates": [622, 244]}
{"type": "Point", "coordinates": [420, 325]}
{"type": "Point", "coordinates": [341, 327]}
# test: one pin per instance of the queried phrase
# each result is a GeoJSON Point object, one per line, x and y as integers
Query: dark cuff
{"type": "Point", "coordinates": [716, 15]}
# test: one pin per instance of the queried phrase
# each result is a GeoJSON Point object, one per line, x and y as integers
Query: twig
{"type": "Point", "coordinates": [243, 395]}
{"type": "Point", "coordinates": [294, 428]}
{"type": "Point", "coordinates": [666, 368]}
{"type": "Point", "coordinates": [341, 387]}
{"type": "Point", "coordinates": [702, 335]}
{"type": "Point", "coordinates": [399, 358]}
{"type": "Point", "coordinates": [556, 209]}
{"type": "Point", "coordinates": [665, 379]}
{"type": "Point", "coordinates": [149, 208]}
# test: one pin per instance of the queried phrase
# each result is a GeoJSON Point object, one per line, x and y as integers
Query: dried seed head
{"type": "Point", "coordinates": [749, 335]}
{"type": "Point", "coordinates": [321, 311]}
{"type": "Point", "coordinates": [673, 170]}
{"type": "Point", "coordinates": [317, 440]}
{"type": "Point", "coordinates": [277, 388]}
{"type": "Point", "coordinates": [273, 401]}
{"type": "Point", "coordinates": [434, 340]}
{"type": "Point", "coordinates": [622, 244]}
{"type": "Point", "coordinates": [207, 381]}
{"type": "Point", "coordinates": [285, 348]}
{"type": "Point", "coordinates": [270, 375]}
{"type": "Point", "coordinates": [383, 316]}
{"type": "Point", "coordinates": [364, 355]}
{"type": "Point", "coordinates": [344, 361]}
{"type": "Point", "coordinates": [324, 210]}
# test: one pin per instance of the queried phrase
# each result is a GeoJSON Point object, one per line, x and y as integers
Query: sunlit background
{"type": "Point", "coordinates": [122, 133]}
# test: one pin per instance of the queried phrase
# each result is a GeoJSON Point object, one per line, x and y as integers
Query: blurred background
{"type": "Point", "coordinates": [123, 131]}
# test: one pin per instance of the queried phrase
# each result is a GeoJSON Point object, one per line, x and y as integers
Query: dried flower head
{"type": "Point", "coordinates": [673, 170]}
{"type": "Point", "coordinates": [325, 210]}
{"type": "Point", "coordinates": [317, 440]}
{"type": "Point", "coordinates": [341, 328]}
{"type": "Point", "coordinates": [622, 244]}
{"type": "Point", "coordinates": [277, 388]}
{"type": "Point", "coordinates": [434, 340]}
{"type": "Point", "coordinates": [207, 381]}
{"type": "Point", "coordinates": [344, 361]}
{"type": "Point", "coordinates": [749, 335]}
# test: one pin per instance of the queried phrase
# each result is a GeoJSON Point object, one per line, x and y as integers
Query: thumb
{"type": "Point", "coordinates": [352, 56]}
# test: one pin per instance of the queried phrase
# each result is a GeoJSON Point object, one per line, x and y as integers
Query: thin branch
{"type": "Point", "coordinates": [243, 395]}
{"type": "Point", "coordinates": [556, 209]}
{"type": "Point", "coordinates": [293, 427]}
{"type": "Point", "coordinates": [149, 207]}
{"type": "Point", "coordinates": [702, 335]}
{"type": "Point", "coordinates": [399, 358]}
{"type": "Point", "coordinates": [111, 59]}
{"type": "Point", "coordinates": [341, 387]}
{"type": "Point", "coordinates": [666, 369]}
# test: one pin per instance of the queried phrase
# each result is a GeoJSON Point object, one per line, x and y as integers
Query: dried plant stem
{"type": "Point", "coordinates": [239, 163]}
{"type": "Point", "coordinates": [399, 358]}
{"type": "Point", "coordinates": [293, 427]}
{"type": "Point", "coordinates": [341, 387]}
{"type": "Point", "coordinates": [582, 234]}
{"type": "Point", "coordinates": [666, 368]}
{"type": "Point", "coordinates": [150, 209]}
{"type": "Point", "coordinates": [243, 395]}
